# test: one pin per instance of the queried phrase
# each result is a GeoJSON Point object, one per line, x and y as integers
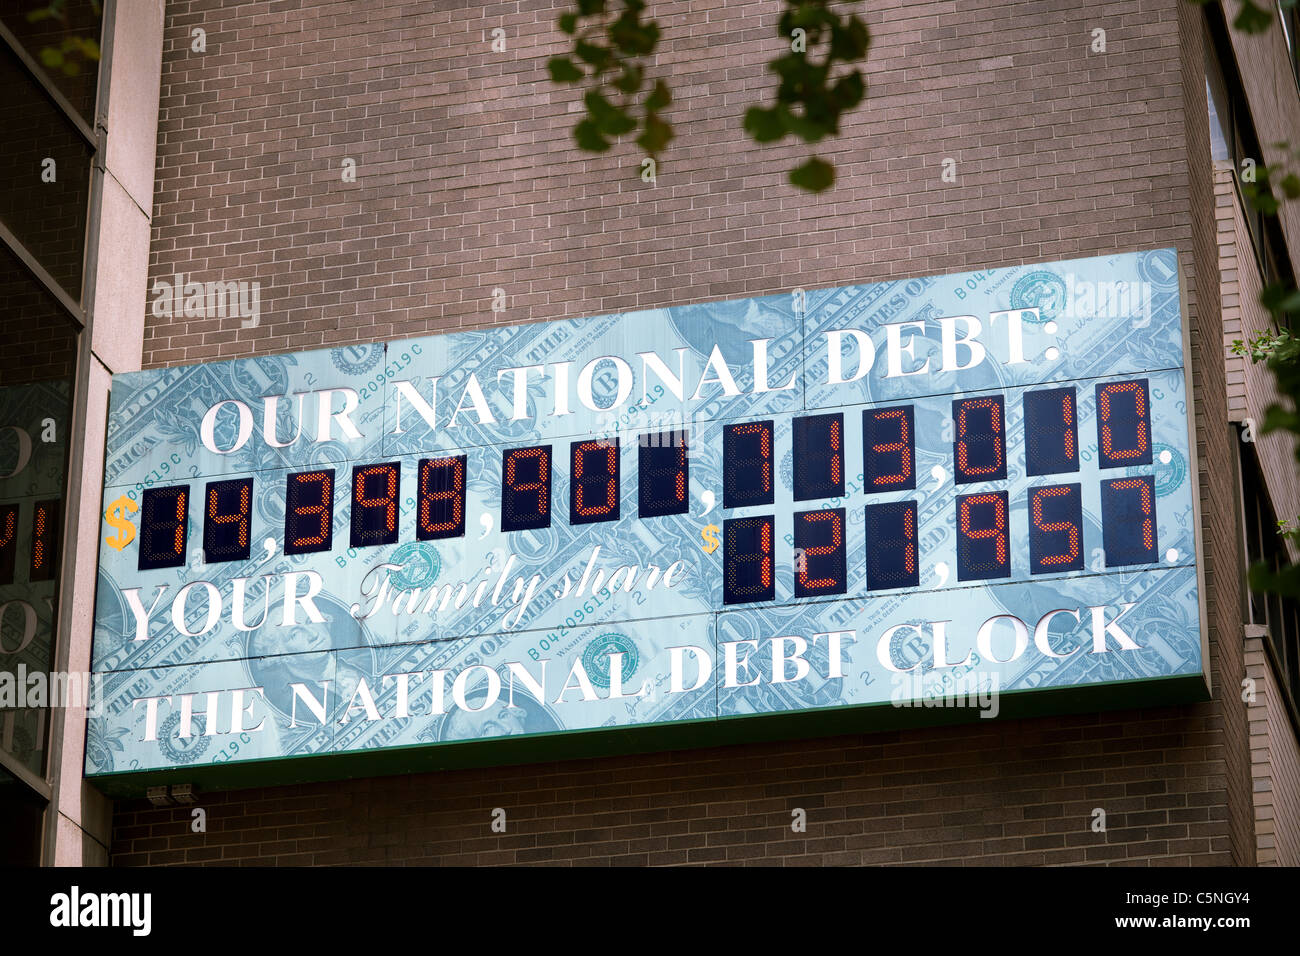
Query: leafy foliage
{"type": "Point", "coordinates": [612, 44]}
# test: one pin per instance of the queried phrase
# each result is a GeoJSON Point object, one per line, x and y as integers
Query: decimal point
{"type": "Point", "coordinates": [1166, 457]}
{"type": "Point", "coordinates": [1052, 354]}
{"type": "Point", "coordinates": [1171, 555]}
{"type": "Point", "coordinates": [1050, 328]}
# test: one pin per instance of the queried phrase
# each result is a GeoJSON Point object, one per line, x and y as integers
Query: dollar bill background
{"type": "Point", "coordinates": [154, 441]}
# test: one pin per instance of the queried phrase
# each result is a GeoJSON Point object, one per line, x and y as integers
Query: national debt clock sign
{"type": "Point", "coordinates": [818, 512]}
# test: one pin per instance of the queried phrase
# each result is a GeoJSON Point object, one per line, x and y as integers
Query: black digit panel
{"type": "Point", "coordinates": [440, 510]}
{"type": "Point", "coordinates": [8, 542]}
{"type": "Point", "coordinates": [1055, 529]}
{"type": "Point", "coordinates": [45, 541]}
{"type": "Point", "coordinates": [526, 488]}
{"type": "Point", "coordinates": [375, 491]}
{"type": "Point", "coordinates": [891, 546]}
{"type": "Point", "coordinates": [747, 465]}
{"type": "Point", "coordinates": [820, 563]}
{"type": "Point", "coordinates": [227, 517]}
{"type": "Point", "coordinates": [309, 512]}
{"type": "Point", "coordinates": [889, 448]}
{"type": "Point", "coordinates": [1128, 521]}
{"type": "Point", "coordinates": [1051, 432]}
{"type": "Point", "coordinates": [594, 481]}
{"type": "Point", "coordinates": [1124, 424]}
{"type": "Point", "coordinates": [983, 537]}
{"type": "Point", "coordinates": [819, 457]}
{"type": "Point", "coordinates": [979, 447]}
{"type": "Point", "coordinates": [663, 474]}
{"type": "Point", "coordinates": [747, 558]}
{"type": "Point", "coordinates": [164, 527]}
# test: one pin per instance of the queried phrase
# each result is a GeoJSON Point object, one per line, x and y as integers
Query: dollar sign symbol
{"type": "Point", "coordinates": [710, 535]}
{"type": "Point", "coordinates": [116, 516]}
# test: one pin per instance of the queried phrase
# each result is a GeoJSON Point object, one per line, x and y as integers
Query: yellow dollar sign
{"type": "Point", "coordinates": [116, 516]}
{"type": "Point", "coordinates": [710, 535]}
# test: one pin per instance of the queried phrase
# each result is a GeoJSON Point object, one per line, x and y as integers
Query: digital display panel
{"type": "Point", "coordinates": [664, 500]}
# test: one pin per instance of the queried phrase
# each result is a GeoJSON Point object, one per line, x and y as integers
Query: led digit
{"type": "Point", "coordinates": [663, 474]}
{"type": "Point", "coordinates": [164, 527]}
{"type": "Point", "coordinates": [1051, 432]}
{"type": "Point", "coordinates": [374, 504]}
{"type": "Point", "coordinates": [45, 541]}
{"type": "Point", "coordinates": [594, 481]}
{"type": "Point", "coordinates": [441, 508]}
{"type": "Point", "coordinates": [1123, 424]}
{"type": "Point", "coordinates": [747, 465]}
{"type": "Point", "coordinates": [1055, 529]}
{"type": "Point", "coordinates": [8, 542]}
{"type": "Point", "coordinates": [889, 448]}
{"type": "Point", "coordinates": [526, 488]}
{"type": "Point", "coordinates": [227, 515]}
{"type": "Point", "coordinates": [819, 457]}
{"type": "Point", "coordinates": [309, 512]}
{"type": "Point", "coordinates": [820, 564]}
{"type": "Point", "coordinates": [891, 546]}
{"type": "Point", "coordinates": [747, 559]}
{"type": "Point", "coordinates": [983, 537]}
{"type": "Point", "coordinates": [979, 440]}
{"type": "Point", "coordinates": [1128, 521]}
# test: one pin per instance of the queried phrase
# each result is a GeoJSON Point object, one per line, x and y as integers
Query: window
{"type": "Point", "coordinates": [1263, 543]}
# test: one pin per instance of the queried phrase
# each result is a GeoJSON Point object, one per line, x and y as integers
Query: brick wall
{"type": "Point", "coordinates": [1275, 761]}
{"type": "Point", "coordinates": [467, 180]}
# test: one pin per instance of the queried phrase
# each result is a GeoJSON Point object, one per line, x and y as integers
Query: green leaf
{"type": "Point", "coordinates": [588, 7]}
{"type": "Point", "coordinates": [589, 138]}
{"type": "Point", "coordinates": [1252, 19]}
{"type": "Point", "coordinates": [631, 80]}
{"type": "Point", "coordinates": [849, 91]}
{"type": "Point", "coordinates": [609, 119]}
{"type": "Point", "coordinates": [659, 97]}
{"type": "Point", "coordinates": [655, 136]}
{"type": "Point", "coordinates": [569, 23]}
{"type": "Point", "coordinates": [34, 16]}
{"type": "Point", "coordinates": [51, 57]}
{"type": "Point", "coordinates": [816, 175]}
{"type": "Point", "coordinates": [597, 56]}
{"type": "Point", "coordinates": [563, 70]}
{"type": "Point", "coordinates": [1290, 184]}
{"type": "Point", "coordinates": [765, 125]}
{"type": "Point", "coordinates": [850, 41]}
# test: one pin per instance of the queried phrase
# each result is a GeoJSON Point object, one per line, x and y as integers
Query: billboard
{"type": "Point", "coordinates": [712, 520]}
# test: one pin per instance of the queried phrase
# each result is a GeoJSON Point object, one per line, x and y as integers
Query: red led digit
{"type": "Point", "coordinates": [1051, 444]}
{"type": "Point", "coordinates": [441, 513]}
{"type": "Point", "coordinates": [309, 512]}
{"type": "Point", "coordinates": [891, 546]}
{"type": "Point", "coordinates": [1124, 424]}
{"type": "Point", "coordinates": [1055, 545]}
{"type": "Point", "coordinates": [164, 526]}
{"type": "Point", "coordinates": [45, 541]}
{"type": "Point", "coordinates": [747, 465]}
{"type": "Point", "coordinates": [593, 481]}
{"type": "Point", "coordinates": [747, 557]}
{"type": "Point", "coordinates": [526, 489]}
{"type": "Point", "coordinates": [889, 448]}
{"type": "Point", "coordinates": [819, 568]}
{"type": "Point", "coordinates": [8, 542]}
{"type": "Point", "coordinates": [227, 514]}
{"type": "Point", "coordinates": [374, 504]}
{"type": "Point", "coordinates": [1128, 515]}
{"type": "Point", "coordinates": [983, 542]}
{"type": "Point", "coordinates": [979, 450]}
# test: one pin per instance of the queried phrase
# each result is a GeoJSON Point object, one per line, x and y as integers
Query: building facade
{"type": "Point", "coordinates": [398, 170]}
